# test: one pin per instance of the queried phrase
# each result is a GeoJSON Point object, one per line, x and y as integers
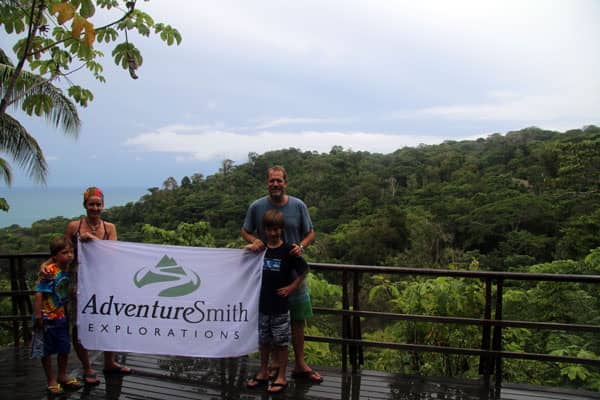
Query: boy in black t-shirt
{"type": "Point", "coordinates": [282, 273]}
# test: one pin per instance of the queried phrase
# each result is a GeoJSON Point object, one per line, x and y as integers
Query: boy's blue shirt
{"type": "Point", "coordinates": [278, 271]}
{"type": "Point", "coordinates": [56, 292]}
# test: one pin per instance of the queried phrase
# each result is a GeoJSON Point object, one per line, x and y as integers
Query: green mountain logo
{"type": "Point", "coordinates": [167, 270]}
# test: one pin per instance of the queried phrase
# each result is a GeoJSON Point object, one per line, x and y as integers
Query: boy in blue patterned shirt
{"type": "Point", "coordinates": [51, 326]}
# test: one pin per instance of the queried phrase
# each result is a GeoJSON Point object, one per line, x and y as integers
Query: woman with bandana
{"type": "Point", "coordinates": [91, 227]}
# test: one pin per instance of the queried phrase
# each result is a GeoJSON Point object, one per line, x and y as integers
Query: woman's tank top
{"type": "Point", "coordinates": [75, 237]}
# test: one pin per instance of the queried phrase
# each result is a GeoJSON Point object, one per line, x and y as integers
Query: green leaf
{"type": "Point", "coordinates": [108, 4]}
{"type": "Point", "coordinates": [19, 26]}
{"type": "Point", "coordinates": [168, 34]}
{"type": "Point", "coordinates": [80, 95]}
{"type": "Point", "coordinates": [9, 27]}
{"type": "Point", "coordinates": [143, 30]}
{"type": "Point", "coordinates": [87, 8]}
{"type": "Point", "coordinates": [4, 204]}
{"type": "Point", "coordinates": [107, 35]}
{"type": "Point", "coordinates": [43, 68]}
{"type": "Point", "coordinates": [123, 52]}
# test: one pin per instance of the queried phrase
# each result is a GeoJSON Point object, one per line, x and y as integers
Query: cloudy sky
{"type": "Point", "coordinates": [376, 75]}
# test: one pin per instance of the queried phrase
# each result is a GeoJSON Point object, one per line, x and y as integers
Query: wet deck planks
{"type": "Point", "coordinates": [167, 378]}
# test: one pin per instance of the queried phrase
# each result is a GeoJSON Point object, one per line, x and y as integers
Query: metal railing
{"type": "Point", "coordinates": [19, 322]}
{"type": "Point", "coordinates": [491, 323]}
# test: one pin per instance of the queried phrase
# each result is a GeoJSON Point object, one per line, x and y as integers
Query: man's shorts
{"type": "Point", "coordinates": [300, 306]}
{"type": "Point", "coordinates": [56, 338]}
{"type": "Point", "coordinates": [274, 329]}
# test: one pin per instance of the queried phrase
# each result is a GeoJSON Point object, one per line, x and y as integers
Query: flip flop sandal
{"type": "Point", "coordinates": [54, 390]}
{"type": "Point", "coordinates": [71, 384]}
{"type": "Point", "coordinates": [255, 382]}
{"type": "Point", "coordinates": [311, 376]}
{"type": "Point", "coordinates": [273, 372]}
{"type": "Point", "coordinates": [91, 379]}
{"type": "Point", "coordinates": [280, 388]}
{"type": "Point", "coordinates": [120, 370]}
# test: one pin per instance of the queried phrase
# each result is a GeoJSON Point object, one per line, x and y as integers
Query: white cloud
{"type": "Point", "coordinates": [509, 106]}
{"type": "Point", "coordinates": [286, 121]}
{"type": "Point", "coordinates": [213, 145]}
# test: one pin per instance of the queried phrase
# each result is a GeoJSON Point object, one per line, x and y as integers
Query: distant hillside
{"type": "Point", "coordinates": [511, 200]}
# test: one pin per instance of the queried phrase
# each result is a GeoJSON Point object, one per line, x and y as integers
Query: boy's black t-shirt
{"type": "Point", "coordinates": [278, 267]}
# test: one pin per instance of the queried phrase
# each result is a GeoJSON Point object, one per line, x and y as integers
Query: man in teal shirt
{"type": "Point", "coordinates": [299, 232]}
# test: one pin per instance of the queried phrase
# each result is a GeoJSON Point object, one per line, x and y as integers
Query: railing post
{"type": "Point", "coordinates": [345, 320]}
{"type": "Point", "coordinates": [497, 339]}
{"type": "Point", "coordinates": [485, 362]}
{"type": "Point", "coordinates": [14, 298]}
{"type": "Point", "coordinates": [357, 334]}
{"type": "Point", "coordinates": [24, 302]}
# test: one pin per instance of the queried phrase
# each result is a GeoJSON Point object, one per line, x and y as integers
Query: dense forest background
{"type": "Point", "coordinates": [524, 201]}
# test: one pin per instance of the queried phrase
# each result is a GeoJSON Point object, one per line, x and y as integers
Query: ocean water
{"type": "Point", "coordinates": [30, 204]}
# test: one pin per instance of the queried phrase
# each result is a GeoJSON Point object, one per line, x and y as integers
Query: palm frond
{"type": "Point", "coordinates": [22, 147]}
{"type": "Point", "coordinates": [5, 172]}
{"type": "Point", "coordinates": [4, 59]}
{"type": "Point", "coordinates": [62, 114]}
{"type": "Point", "coordinates": [11, 3]}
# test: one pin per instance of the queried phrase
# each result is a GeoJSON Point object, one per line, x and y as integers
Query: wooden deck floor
{"type": "Point", "coordinates": [165, 378]}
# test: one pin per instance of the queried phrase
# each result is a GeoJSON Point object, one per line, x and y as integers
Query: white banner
{"type": "Point", "coordinates": [158, 299]}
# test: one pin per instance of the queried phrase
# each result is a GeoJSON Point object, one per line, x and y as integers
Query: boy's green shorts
{"type": "Point", "coordinates": [301, 311]}
{"type": "Point", "coordinates": [300, 306]}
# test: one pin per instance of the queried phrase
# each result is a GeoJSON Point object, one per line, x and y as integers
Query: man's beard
{"type": "Point", "coordinates": [277, 197]}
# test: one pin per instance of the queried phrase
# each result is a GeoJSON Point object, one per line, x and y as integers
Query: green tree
{"type": "Point", "coordinates": [197, 178]}
{"type": "Point", "coordinates": [554, 302]}
{"type": "Point", "coordinates": [580, 166]}
{"type": "Point", "coordinates": [186, 181]}
{"type": "Point", "coordinates": [426, 239]}
{"type": "Point", "coordinates": [36, 96]}
{"type": "Point", "coordinates": [54, 39]}
{"type": "Point", "coordinates": [371, 239]}
{"type": "Point", "coordinates": [197, 234]}
{"type": "Point", "coordinates": [170, 183]}
{"type": "Point", "coordinates": [226, 166]}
